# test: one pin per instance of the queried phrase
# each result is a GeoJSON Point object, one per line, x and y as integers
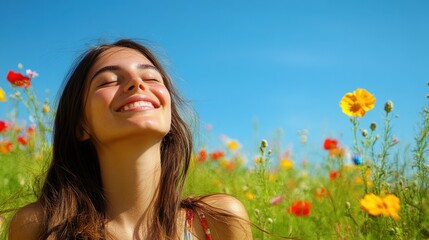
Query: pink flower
{"type": "Point", "coordinates": [276, 200]}
{"type": "Point", "coordinates": [31, 74]}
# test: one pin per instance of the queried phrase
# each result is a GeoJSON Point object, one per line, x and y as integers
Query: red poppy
{"type": "Point", "coordinates": [300, 208]}
{"type": "Point", "coordinates": [216, 155]}
{"type": "Point", "coordinates": [202, 156]}
{"type": "Point", "coordinates": [3, 126]}
{"type": "Point", "coordinates": [330, 144]}
{"type": "Point", "coordinates": [22, 140]}
{"type": "Point", "coordinates": [18, 79]}
{"type": "Point", "coordinates": [333, 174]}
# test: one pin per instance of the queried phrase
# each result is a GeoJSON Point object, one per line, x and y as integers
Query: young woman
{"type": "Point", "coordinates": [121, 150]}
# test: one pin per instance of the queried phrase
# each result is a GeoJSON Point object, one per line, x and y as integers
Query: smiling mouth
{"type": "Point", "coordinates": [136, 106]}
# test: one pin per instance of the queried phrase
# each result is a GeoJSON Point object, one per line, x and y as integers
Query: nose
{"type": "Point", "coordinates": [134, 84]}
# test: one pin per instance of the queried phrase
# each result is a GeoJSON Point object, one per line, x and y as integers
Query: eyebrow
{"type": "Point", "coordinates": [116, 67]}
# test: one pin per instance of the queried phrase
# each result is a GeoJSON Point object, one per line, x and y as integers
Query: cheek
{"type": "Point", "coordinates": [162, 93]}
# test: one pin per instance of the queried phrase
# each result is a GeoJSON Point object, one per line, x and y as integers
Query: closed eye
{"type": "Point", "coordinates": [109, 83]}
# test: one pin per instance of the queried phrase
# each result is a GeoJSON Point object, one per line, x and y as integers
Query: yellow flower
{"type": "Point", "coordinates": [357, 103]}
{"type": "Point", "coordinates": [286, 163]}
{"type": "Point", "coordinates": [387, 206]}
{"type": "Point", "coordinates": [258, 160]}
{"type": "Point", "coordinates": [232, 145]}
{"type": "Point", "coordinates": [45, 108]}
{"type": "Point", "coordinates": [2, 95]}
{"type": "Point", "coordinates": [250, 196]}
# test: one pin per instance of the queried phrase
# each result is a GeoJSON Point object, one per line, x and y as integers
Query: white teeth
{"type": "Point", "coordinates": [137, 104]}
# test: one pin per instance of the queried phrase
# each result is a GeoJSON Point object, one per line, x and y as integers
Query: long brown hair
{"type": "Point", "coordinates": [71, 197]}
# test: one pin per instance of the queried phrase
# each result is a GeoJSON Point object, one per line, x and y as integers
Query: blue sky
{"type": "Point", "coordinates": [248, 68]}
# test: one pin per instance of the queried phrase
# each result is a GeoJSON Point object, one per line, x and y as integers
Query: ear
{"type": "Point", "coordinates": [83, 133]}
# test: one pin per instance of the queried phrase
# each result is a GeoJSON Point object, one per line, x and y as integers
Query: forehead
{"type": "Point", "coordinates": [118, 56]}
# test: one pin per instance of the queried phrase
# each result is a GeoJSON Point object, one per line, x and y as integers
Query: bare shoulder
{"type": "Point", "coordinates": [26, 223]}
{"type": "Point", "coordinates": [235, 227]}
{"type": "Point", "coordinates": [228, 204]}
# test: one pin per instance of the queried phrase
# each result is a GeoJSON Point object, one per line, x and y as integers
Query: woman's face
{"type": "Point", "coordinates": [126, 98]}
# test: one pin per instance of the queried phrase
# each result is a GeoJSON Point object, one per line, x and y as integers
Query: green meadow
{"type": "Point", "coordinates": [370, 190]}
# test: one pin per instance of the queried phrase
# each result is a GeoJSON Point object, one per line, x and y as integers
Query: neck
{"type": "Point", "coordinates": [130, 176]}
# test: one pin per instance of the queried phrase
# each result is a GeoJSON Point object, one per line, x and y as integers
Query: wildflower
{"type": "Point", "coordinates": [232, 145]}
{"type": "Point", "coordinates": [227, 164]}
{"type": "Point", "coordinates": [286, 163]}
{"type": "Point", "coordinates": [22, 140]}
{"type": "Point", "coordinates": [276, 200]}
{"type": "Point", "coordinates": [321, 192]}
{"type": "Point", "coordinates": [31, 74]}
{"type": "Point", "coordinates": [373, 126]}
{"type": "Point", "coordinates": [388, 106]}
{"type": "Point", "coordinates": [357, 103]}
{"type": "Point", "coordinates": [250, 195]}
{"type": "Point", "coordinates": [202, 156]}
{"type": "Point", "coordinates": [6, 147]}
{"type": "Point", "coordinates": [300, 208]}
{"type": "Point", "coordinates": [264, 143]}
{"type": "Point", "coordinates": [45, 108]}
{"type": "Point", "coordinates": [258, 160]}
{"type": "Point", "coordinates": [3, 126]}
{"type": "Point", "coordinates": [217, 154]}
{"type": "Point", "coordinates": [330, 143]}
{"type": "Point", "coordinates": [18, 79]}
{"type": "Point", "coordinates": [357, 159]}
{"type": "Point", "coordinates": [337, 152]}
{"type": "Point", "coordinates": [333, 174]}
{"type": "Point", "coordinates": [387, 206]}
{"type": "Point", "coordinates": [359, 180]}
{"type": "Point", "coordinates": [30, 130]}
{"type": "Point", "coordinates": [2, 95]}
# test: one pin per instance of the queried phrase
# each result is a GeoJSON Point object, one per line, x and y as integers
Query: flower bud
{"type": "Point", "coordinates": [348, 205]}
{"type": "Point", "coordinates": [45, 108]}
{"type": "Point", "coordinates": [364, 132]}
{"type": "Point", "coordinates": [388, 106]}
{"type": "Point", "coordinates": [373, 126]}
{"type": "Point", "coordinates": [264, 143]}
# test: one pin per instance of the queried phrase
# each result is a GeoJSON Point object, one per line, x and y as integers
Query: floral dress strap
{"type": "Point", "coordinates": [188, 225]}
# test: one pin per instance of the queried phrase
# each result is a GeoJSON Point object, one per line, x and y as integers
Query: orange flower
{"type": "Point", "coordinates": [357, 103]}
{"type": "Point", "coordinates": [217, 154]}
{"type": "Point", "coordinates": [18, 79]}
{"type": "Point", "coordinates": [321, 192]}
{"type": "Point", "coordinates": [202, 156]}
{"type": "Point", "coordinates": [30, 130]}
{"type": "Point", "coordinates": [387, 206]}
{"type": "Point", "coordinates": [300, 208]}
{"type": "Point", "coordinates": [6, 147]}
